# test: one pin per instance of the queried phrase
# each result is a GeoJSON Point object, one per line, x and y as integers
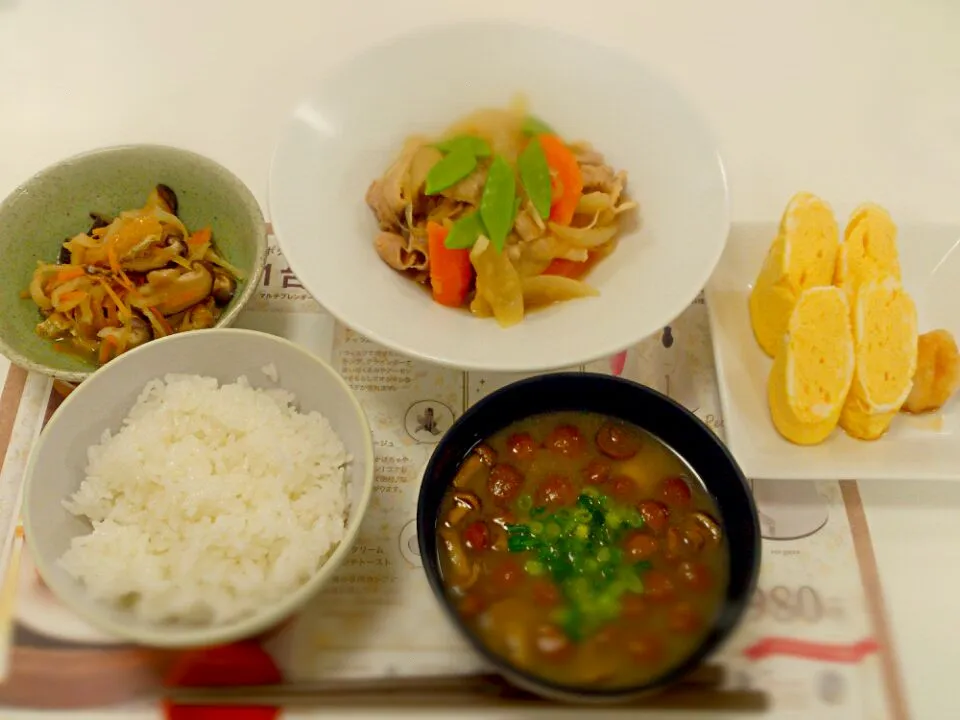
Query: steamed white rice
{"type": "Point", "coordinates": [210, 502]}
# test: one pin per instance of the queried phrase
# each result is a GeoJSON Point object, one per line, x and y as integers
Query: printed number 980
{"type": "Point", "coordinates": [785, 604]}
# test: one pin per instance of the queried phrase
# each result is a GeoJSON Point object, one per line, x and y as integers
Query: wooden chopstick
{"type": "Point", "coordinates": [699, 690]}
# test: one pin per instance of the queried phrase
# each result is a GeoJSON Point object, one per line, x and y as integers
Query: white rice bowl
{"type": "Point", "coordinates": [211, 502]}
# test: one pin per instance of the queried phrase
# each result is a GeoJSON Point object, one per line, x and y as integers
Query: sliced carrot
{"type": "Point", "coordinates": [450, 270]}
{"type": "Point", "coordinates": [568, 185]}
{"type": "Point", "coordinates": [567, 268]}
{"type": "Point", "coordinates": [201, 236]}
{"type": "Point", "coordinates": [68, 273]}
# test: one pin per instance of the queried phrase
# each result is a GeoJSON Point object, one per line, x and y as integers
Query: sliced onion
{"type": "Point", "coordinates": [584, 237]}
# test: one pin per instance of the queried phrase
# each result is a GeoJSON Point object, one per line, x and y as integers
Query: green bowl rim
{"type": "Point", "coordinates": [245, 195]}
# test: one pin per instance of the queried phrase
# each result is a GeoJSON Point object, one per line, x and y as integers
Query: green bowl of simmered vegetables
{"type": "Point", "coordinates": [115, 247]}
{"type": "Point", "coordinates": [591, 538]}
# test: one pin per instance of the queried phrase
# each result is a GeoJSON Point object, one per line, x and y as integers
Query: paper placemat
{"type": "Point", "coordinates": [815, 640]}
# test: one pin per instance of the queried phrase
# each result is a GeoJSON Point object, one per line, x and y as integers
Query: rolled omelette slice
{"type": "Point", "coordinates": [869, 250]}
{"type": "Point", "coordinates": [803, 255]}
{"type": "Point", "coordinates": [885, 338]}
{"type": "Point", "coordinates": [813, 370]}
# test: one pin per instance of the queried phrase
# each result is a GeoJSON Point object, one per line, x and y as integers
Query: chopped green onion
{"type": "Point", "coordinates": [534, 568]}
{"type": "Point", "coordinates": [578, 549]}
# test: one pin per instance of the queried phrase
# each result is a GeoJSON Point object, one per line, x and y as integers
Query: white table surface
{"type": "Point", "coordinates": [851, 99]}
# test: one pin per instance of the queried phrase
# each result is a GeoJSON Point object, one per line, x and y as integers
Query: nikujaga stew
{"type": "Point", "coordinates": [582, 550]}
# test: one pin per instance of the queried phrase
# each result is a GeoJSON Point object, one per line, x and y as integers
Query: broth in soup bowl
{"type": "Point", "coordinates": [578, 529]}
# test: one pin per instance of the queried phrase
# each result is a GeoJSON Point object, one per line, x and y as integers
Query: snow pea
{"type": "Point", "coordinates": [453, 168]}
{"type": "Point", "coordinates": [465, 232]}
{"type": "Point", "coordinates": [532, 125]}
{"type": "Point", "coordinates": [471, 143]}
{"type": "Point", "coordinates": [498, 206]}
{"type": "Point", "coordinates": [535, 175]}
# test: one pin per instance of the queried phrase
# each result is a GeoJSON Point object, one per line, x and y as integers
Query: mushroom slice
{"type": "Point", "coordinates": [464, 502]}
{"type": "Point", "coordinates": [224, 285]}
{"type": "Point", "coordinates": [710, 527]}
{"type": "Point", "coordinates": [465, 572]}
{"type": "Point", "coordinates": [487, 454]}
{"type": "Point", "coordinates": [200, 316]}
{"type": "Point", "coordinates": [188, 289]}
{"type": "Point", "coordinates": [163, 197]}
{"type": "Point", "coordinates": [468, 470]}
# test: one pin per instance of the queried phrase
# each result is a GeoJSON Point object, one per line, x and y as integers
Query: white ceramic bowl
{"type": "Point", "coordinates": [351, 125]}
{"type": "Point", "coordinates": [57, 462]}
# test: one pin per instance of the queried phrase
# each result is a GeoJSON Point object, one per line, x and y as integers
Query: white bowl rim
{"type": "Point", "coordinates": [249, 201]}
{"type": "Point", "coordinates": [586, 355]}
{"type": "Point", "coordinates": [249, 625]}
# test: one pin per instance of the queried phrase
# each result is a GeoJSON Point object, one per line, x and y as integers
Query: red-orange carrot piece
{"type": "Point", "coordinates": [567, 268]}
{"type": "Point", "coordinates": [72, 295]}
{"type": "Point", "coordinates": [203, 235]}
{"type": "Point", "coordinates": [450, 270]}
{"type": "Point", "coordinates": [568, 188]}
{"type": "Point", "coordinates": [68, 273]}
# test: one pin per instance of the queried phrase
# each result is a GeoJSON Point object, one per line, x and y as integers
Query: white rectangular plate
{"type": "Point", "coordinates": [915, 448]}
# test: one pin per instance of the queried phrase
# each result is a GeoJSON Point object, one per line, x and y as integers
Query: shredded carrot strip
{"type": "Point", "coordinates": [106, 349]}
{"type": "Point", "coordinates": [72, 295]}
{"type": "Point", "coordinates": [125, 280]}
{"type": "Point", "coordinates": [160, 321]}
{"type": "Point", "coordinates": [121, 308]}
{"type": "Point", "coordinates": [112, 259]}
{"type": "Point", "coordinates": [68, 273]}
